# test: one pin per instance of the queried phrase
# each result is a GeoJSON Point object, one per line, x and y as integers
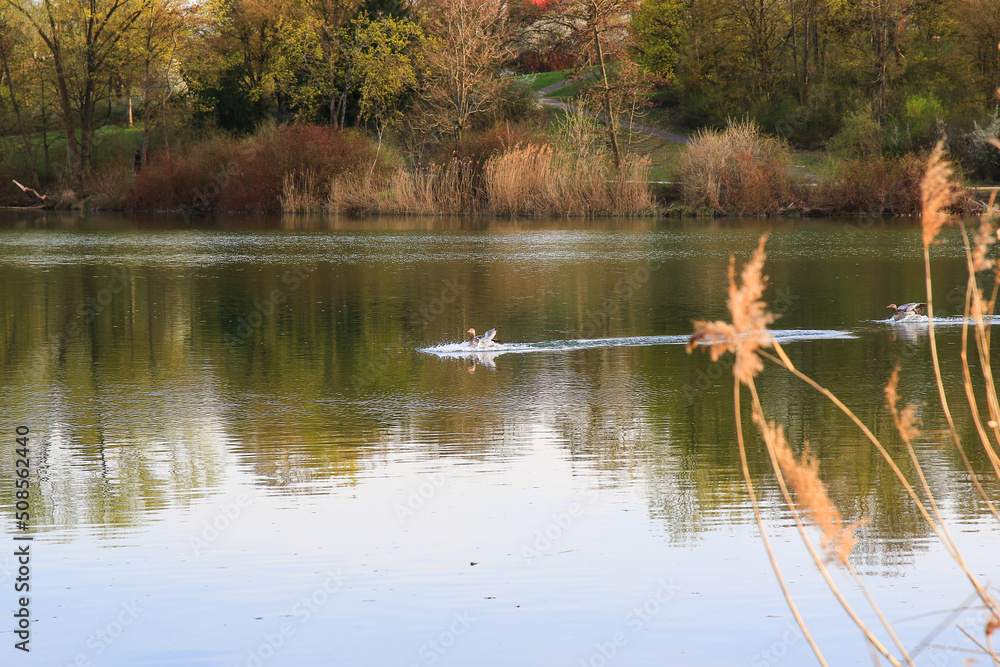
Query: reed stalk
{"type": "Point", "coordinates": [763, 531]}
{"type": "Point", "coordinates": [811, 493]}
{"type": "Point", "coordinates": [747, 336]}
{"type": "Point", "coordinates": [936, 192]}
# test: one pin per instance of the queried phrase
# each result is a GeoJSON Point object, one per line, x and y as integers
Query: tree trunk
{"type": "Point", "coordinates": [805, 52]}
{"type": "Point", "coordinates": [795, 50]}
{"type": "Point", "coordinates": [20, 120]}
{"type": "Point", "coordinates": [45, 121]}
{"type": "Point", "coordinates": [73, 147]}
{"type": "Point", "coordinates": [608, 107]}
{"type": "Point", "coordinates": [86, 130]}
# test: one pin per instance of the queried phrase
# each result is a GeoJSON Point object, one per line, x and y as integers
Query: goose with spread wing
{"type": "Point", "coordinates": [907, 309]}
{"type": "Point", "coordinates": [488, 339]}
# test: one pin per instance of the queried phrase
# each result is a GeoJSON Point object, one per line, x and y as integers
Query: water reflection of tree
{"type": "Point", "coordinates": [149, 400]}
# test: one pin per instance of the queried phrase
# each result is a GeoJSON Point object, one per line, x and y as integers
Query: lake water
{"type": "Point", "coordinates": [254, 441]}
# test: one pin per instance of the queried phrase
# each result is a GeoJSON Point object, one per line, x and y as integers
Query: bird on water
{"type": "Point", "coordinates": [488, 339]}
{"type": "Point", "coordinates": [907, 309]}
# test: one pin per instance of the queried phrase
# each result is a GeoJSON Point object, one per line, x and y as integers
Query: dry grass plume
{"type": "Point", "coordinates": [748, 331]}
{"type": "Point", "coordinates": [936, 193]}
{"type": "Point", "coordinates": [802, 474]}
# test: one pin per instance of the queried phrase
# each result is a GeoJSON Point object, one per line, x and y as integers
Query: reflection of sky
{"type": "Point", "coordinates": [562, 564]}
{"type": "Point", "coordinates": [217, 496]}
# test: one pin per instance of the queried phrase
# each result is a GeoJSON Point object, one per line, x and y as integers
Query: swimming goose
{"type": "Point", "coordinates": [486, 340]}
{"type": "Point", "coordinates": [907, 309]}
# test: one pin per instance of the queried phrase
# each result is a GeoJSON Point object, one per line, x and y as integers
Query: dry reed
{"type": "Point", "coordinates": [739, 169]}
{"type": "Point", "coordinates": [811, 494]}
{"type": "Point", "coordinates": [300, 193]}
{"type": "Point", "coordinates": [748, 331]}
{"type": "Point", "coordinates": [746, 336]}
{"type": "Point", "coordinates": [524, 180]}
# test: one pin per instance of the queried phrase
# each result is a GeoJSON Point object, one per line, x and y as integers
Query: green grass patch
{"type": "Point", "coordinates": [539, 81]}
{"type": "Point", "coordinates": [815, 164]}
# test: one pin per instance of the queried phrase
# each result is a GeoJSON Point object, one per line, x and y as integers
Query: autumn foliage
{"type": "Point", "coordinates": [246, 175]}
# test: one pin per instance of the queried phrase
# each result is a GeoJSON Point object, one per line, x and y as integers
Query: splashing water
{"type": "Point", "coordinates": [462, 350]}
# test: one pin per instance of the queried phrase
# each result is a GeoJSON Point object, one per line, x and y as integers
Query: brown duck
{"type": "Point", "coordinates": [907, 309]}
{"type": "Point", "coordinates": [488, 339]}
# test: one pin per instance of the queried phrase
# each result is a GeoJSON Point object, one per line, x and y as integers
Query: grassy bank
{"type": "Point", "coordinates": [560, 169]}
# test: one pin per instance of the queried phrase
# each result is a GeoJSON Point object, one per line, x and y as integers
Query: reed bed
{"type": "Point", "coordinates": [534, 179]}
{"type": "Point", "coordinates": [799, 479]}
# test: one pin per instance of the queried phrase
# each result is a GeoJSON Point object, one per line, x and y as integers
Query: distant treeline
{"type": "Point", "coordinates": [428, 79]}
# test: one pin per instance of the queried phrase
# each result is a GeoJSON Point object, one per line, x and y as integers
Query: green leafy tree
{"type": "Point", "coordinates": [81, 37]}
{"type": "Point", "coordinates": [14, 70]}
{"type": "Point", "coordinates": [656, 27]}
{"type": "Point", "coordinates": [386, 65]}
{"type": "Point", "coordinates": [323, 53]}
{"type": "Point", "coordinates": [256, 60]}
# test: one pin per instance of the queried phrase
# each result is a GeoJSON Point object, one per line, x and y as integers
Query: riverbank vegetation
{"type": "Point", "coordinates": [434, 106]}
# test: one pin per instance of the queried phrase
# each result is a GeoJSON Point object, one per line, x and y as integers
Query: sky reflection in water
{"type": "Point", "coordinates": [269, 445]}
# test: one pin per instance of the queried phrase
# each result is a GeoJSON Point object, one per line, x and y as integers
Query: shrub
{"type": "Point", "coordinates": [111, 186]}
{"type": "Point", "coordinates": [980, 158]}
{"type": "Point", "coordinates": [874, 186]}
{"type": "Point", "coordinates": [860, 135]}
{"type": "Point", "coordinates": [481, 145]}
{"type": "Point", "coordinates": [303, 149]}
{"type": "Point", "coordinates": [921, 115]}
{"type": "Point", "coordinates": [739, 169]}
{"type": "Point", "coordinates": [255, 174]}
{"type": "Point", "coordinates": [190, 179]}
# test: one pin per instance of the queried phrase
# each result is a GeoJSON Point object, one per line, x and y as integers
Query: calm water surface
{"type": "Point", "coordinates": [253, 442]}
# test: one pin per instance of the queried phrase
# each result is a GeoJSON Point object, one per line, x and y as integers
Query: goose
{"type": "Point", "coordinates": [486, 340]}
{"type": "Point", "coordinates": [907, 309]}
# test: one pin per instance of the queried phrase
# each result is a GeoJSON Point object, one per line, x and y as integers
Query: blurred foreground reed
{"type": "Point", "coordinates": [798, 478]}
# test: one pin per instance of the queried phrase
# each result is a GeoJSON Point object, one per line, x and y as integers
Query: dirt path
{"type": "Point", "coordinates": [541, 94]}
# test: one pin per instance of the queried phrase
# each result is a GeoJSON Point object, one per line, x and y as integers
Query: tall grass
{"type": "Point", "coordinates": [802, 488]}
{"type": "Point", "coordinates": [541, 180]}
{"type": "Point", "coordinates": [525, 180]}
{"type": "Point", "coordinates": [739, 169]}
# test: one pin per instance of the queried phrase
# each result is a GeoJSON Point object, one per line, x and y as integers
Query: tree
{"type": "Point", "coordinates": [81, 37]}
{"type": "Point", "coordinates": [158, 32]}
{"type": "Point", "coordinates": [977, 28]}
{"type": "Point", "coordinates": [13, 58]}
{"type": "Point", "coordinates": [323, 50]}
{"type": "Point", "coordinates": [599, 28]}
{"type": "Point", "coordinates": [396, 9]}
{"type": "Point", "coordinates": [656, 30]}
{"type": "Point", "coordinates": [252, 38]}
{"type": "Point", "coordinates": [762, 26]}
{"type": "Point", "coordinates": [469, 45]}
{"type": "Point", "coordinates": [385, 64]}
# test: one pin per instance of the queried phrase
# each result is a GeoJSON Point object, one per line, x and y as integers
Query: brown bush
{"type": "Point", "coordinates": [111, 186]}
{"type": "Point", "coordinates": [186, 179]}
{"type": "Point", "coordinates": [253, 174]}
{"type": "Point", "coordinates": [739, 169]}
{"type": "Point", "coordinates": [874, 186]}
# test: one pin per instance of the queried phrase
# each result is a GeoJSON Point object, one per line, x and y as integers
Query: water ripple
{"type": "Point", "coordinates": [464, 350]}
